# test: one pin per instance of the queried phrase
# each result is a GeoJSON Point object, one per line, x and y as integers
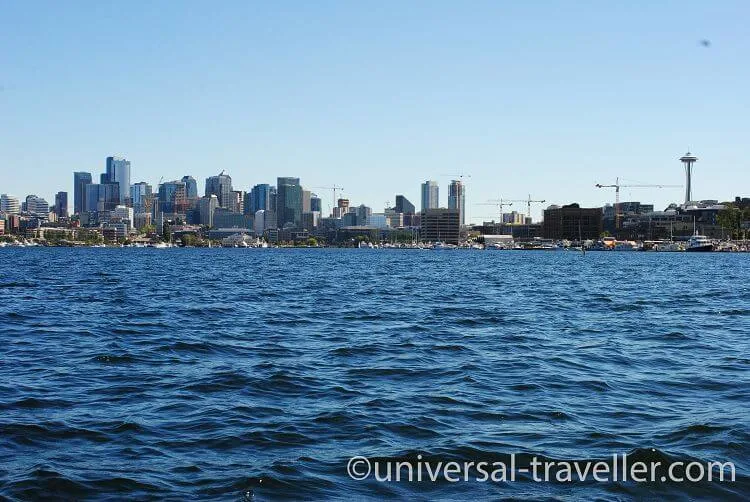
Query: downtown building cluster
{"type": "Point", "coordinates": [119, 209]}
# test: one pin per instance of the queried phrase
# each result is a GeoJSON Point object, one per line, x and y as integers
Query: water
{"type": "Point", "coordinates": [256, 374]}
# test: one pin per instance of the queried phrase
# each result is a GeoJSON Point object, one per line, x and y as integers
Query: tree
{"type": "Point", "coordinates": [730, 219]}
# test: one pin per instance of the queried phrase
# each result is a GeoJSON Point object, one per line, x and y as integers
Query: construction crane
{"type": "Point", "coordinates": [528, 202]}
{"type": "Point", "coordinates": [334, 189]}
{"type": "Point", "coordinates": [499, 203]}
{"type": "Point", "coordinates": [459, 176]}
{"type": "Point", "coordinates": [617, 187]}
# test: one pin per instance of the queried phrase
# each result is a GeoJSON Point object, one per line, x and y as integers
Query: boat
{"type": "Point", "coordinates": [625, 246]}
{"type": "Point", "coordinates": [699, 243]}
{"type": "Point", "coordinates": [669, 247]}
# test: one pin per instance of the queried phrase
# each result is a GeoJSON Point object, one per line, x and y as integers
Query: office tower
{"type": "Point", "coordinates": [306, 201]}
{"type": "Point", "coordinates": [172, 197]}
{"type": "Point", "coordinates": [404, 206]}
{"type": "Point", "coordinates": [260, 198]}
{"type": "Point", "coordinates": [37, 206]}
{"type": "Point", "coordinates": [140, 194]}
{"type": "Point", "coordinates": [440, 225]}
{"type": "Point", "coordinates": [118, 171]}
{"type": "Point", "coordinates": [101, 197]}
{"type": "Point", "coordinates": [9, 204]}
{"type": "Point", "coordinates": [208, 206]}
{"type": "Point", "coordinates": [221, 187]}
{"type": "Point", "coordinates": [61, 204]}
{"type": "Point", "coordinates": [191, 187]}
{"type": "Point", "coordinates": [259, 222]}
{"type": "Point", "coordinates": [238, 201]}
{"type": "Point", "coordinates": [430, 195]}
{"type": "Point", "coordinates": [316, 204]}
{"type": "Point", "coordinates": [80, 180]}
{"type": "Point", "coordinates": [125, 215]}
{"type": "Point", "coordinates": [288, 202]}
{"type": "Point", "coordinates": [457, 199]}
{"type": "Point", "coordinates": [363, 215]}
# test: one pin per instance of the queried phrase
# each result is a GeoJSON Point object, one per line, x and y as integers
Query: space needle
{"type": "Point", "coordinates": [688, 160]}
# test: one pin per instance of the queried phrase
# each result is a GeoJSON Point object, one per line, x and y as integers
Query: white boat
{"type": "Point", "coordinates": [669, 247]}
{"type": "Point", "coordinates": [626, 246]}
{"type": "Point", "coordinates": [699, 243]}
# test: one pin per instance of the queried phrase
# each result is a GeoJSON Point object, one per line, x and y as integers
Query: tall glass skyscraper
{"type": "Point", "coordinates": [191, 187]}
{"type": "Point", "coordinates": [430, 195]}
{"type": "Point", "coordinates": [221, 187]}
{"type": "Point", "coordinates": [457, 199]}
{"type": "Point", "coordinates": [118, 171]}
{"type": "Point", "coordinates": [260, 198]}
{"type": "Point", "coordinates": [80, 180]}
{"type": "Point", "coordinates": [288, 202]}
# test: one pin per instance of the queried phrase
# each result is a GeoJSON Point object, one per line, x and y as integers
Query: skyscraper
{"type": "Point", "coordinates": [221, 187]}
{"type": "Point", "coordinates": [430, 195]}
{"type": "Point", "coordinates": [172, 197]}
{"type": "Point", "coordinates": [61, 204]}
{"type": "Point", "coordinates": [316, 204]}
{"type": "Point", "coordinates": [9, 204]}
{"type": "Point", "coordinates": [36, 205]}
{"type": "Point", "coordinates": [191, 187]}
{"type": "Point", "coordinates": [118, 171]}
{"type": "Point", "coordinates": [260, 198]}
{"type": "Point", "coordinates": [208, 206]}
{"type": "Point", "coordinates": [457, 199]}
{"type": "Point", "coordinates": [404, 206]}
{"type": "Point", "coordinates": [288, 202]}
{"type": "Point", "coordinates": [80, 180]}
{"type": "Point", "coordinates": [140, 194]}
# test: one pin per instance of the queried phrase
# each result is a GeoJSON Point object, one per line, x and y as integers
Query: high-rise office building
{"type": "Point", "coordinates": [457, 199]}
{"type": "Point", "coordinates": [9, 204]}
{"type": "Point", "coordinates": [208, 206]}
{"type": "Point", "coordinates": [80, 180]}
{"type": "Point", "coordinates": [404, 206]}
{"type": "Point", "coordinates": [36, 205]}
{"type": "Point", "coordinates": [306, 201]}
{"type": "Point", "coordinates": [61, 204]}
{"type": "Point", "coordinates": [363, 215]}
{"type": "Point", "coordinates": [191, 187]}
{"type": "Point", "coordinates": [316, 204]}
{"type": "Point", "coordinates": [221, 187]}
{"type": "Point", "coordinates": [140, 195]}
{"type": "Point", "coordinates": [430, 195]}
{"type": "Point", "coordinates": [440, 225]}
{"type": "Point", "coordinates": [101, 197]}
{"type": "Point", "coordinates": [173, 197]}
{"type": "Point", "coordinates": [118, 171]}
{"type": "Point", "coordinates": [288, 202]}
{"type": "Point", "coordinates": [260, 198]}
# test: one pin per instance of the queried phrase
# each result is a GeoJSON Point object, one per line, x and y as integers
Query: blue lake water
{"type": "Point", "coordinates": [256, 374]}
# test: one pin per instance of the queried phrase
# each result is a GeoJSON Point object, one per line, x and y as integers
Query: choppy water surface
{"type": "Point", "coordinates": [231, 374]}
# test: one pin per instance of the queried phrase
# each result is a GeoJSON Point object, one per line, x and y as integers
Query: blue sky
{"type": "Point", "coordinates": [542, 97]}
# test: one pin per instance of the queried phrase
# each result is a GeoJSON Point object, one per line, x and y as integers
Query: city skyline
{"type": "Point", "coordinates": [552, 104]}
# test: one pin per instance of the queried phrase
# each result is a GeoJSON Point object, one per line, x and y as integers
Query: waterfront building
{"type": "Point", "coordinates": [123, 214]}
{"type": "Point", "coordinates": [288, 202]}
{"type": "Point", "coordinates": [441, 225]}
{"type": "Point", "coordinates": [80, 180]}
{"type": "Point", "coordinates": [224, 218]}
{"type": "Point", "coordinates": [141, 220]}
{"type": "Point", "coordinates": [118, 171]}
{"type": "Point", "coordinates": [221, 187]}
{"type": "Point", "coordinates": [207, 207]}
{"type": "Point", "coordinates": [394, 218]}
{"type": "Point", "coordinates": [377, 220]}
{"type": "Point", "coordinates": [259, 221]}
{"type": "Point", "coordinates": [571, 222]}
{"type": "Point", "coordinates": [2, 226]}
{"type": "Point", "coordinates": [61, 204]}
{"type": "Point", "coordinates": [37, 206]}
{"type": "Point", "coordinates": [457, 199]}
{"type": "Point", "coordinates": [9, 204]}
{"type": "Point", "coordinates": [430, 195]}
{"type": "Point", "coordinates": [350, 219]}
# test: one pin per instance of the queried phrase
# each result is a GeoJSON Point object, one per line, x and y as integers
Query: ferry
{"type": "Point", "coordinates": [699, 243]}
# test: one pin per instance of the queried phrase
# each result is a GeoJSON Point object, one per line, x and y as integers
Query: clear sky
{"type": "Point", "coordinates": [539, 97]}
